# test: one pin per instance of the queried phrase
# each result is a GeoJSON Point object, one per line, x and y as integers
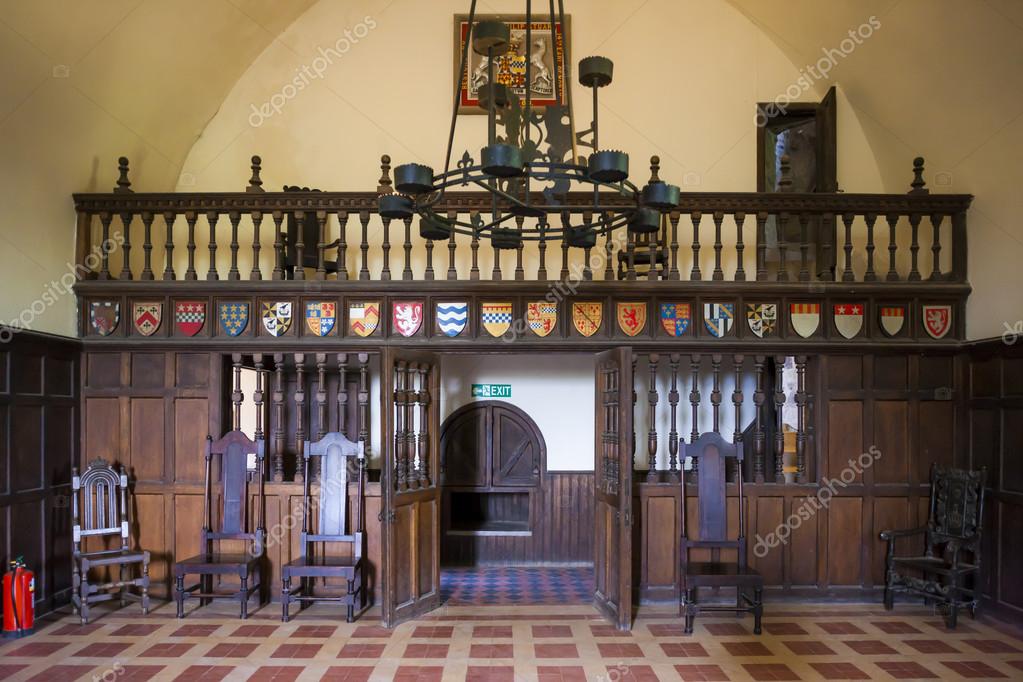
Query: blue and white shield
{"type": "Point", "coordinates": [718, 318]}
{"type": "Point", "coordinates": [452, 317]}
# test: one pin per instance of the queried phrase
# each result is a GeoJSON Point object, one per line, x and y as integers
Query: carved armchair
{"type": "Point", "coordinates": [713, 453]}
{"type": "Point", "coordinates": [315, 560]}
{"type": "Point", "coordinates": [951, 547]}
{"type": "Point", "coordinates": [99, 507]}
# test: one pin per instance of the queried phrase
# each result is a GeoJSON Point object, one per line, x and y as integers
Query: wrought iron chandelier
{"type": "Point", "coordinates": [529, 177]}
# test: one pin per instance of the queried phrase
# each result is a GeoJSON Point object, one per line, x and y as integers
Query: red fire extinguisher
{"type": "Point", "coordinates": [19, 599]}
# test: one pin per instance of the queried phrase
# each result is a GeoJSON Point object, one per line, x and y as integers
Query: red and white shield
{"type": "Point", "coordinates": [937, 320]}
{"type": "Point", "coordinates": [407, 317]}
{"type": "Point", "coordinates": [892, 319]}
{"type": "Point", "coordinates": [848, 319]}
{"type": "Point", "coordinates": [189, 316]}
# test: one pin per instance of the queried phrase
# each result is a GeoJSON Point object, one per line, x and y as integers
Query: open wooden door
{"type": "Point", "coordinates": [613, 487]}
{"type": "Point", "coordinates": [410, 516]}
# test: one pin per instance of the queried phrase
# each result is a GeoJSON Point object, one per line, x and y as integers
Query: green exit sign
{"type": "Point", "coordinates": [491, 390]}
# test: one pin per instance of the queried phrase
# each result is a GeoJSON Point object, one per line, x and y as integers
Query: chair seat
{"type": "Point", "coordinates": [216, 562]}
{"type": "Point", "coordinates": [113, 556]}
{"type": "Point", "coordinates": [321, 566]}
{"type": "Point", "coordinates": [720, 574]}
{"type": "Point", "coordinates": [932, 565]}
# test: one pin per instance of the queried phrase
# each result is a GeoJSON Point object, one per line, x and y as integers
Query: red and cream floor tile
{"type": "Point", "coordinates": [512, 643]}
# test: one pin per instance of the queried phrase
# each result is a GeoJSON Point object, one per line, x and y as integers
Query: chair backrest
{"type": "Point", "coordinates": [957, 506]}
{"type": "Point", "coordinates": [336, 453]}
{"type": "Point", "coordinates": [234, 450]}
{"type": "Point", "coordinates": [712, 453]}
{"type": "Point", "coordinates": [99, 504]}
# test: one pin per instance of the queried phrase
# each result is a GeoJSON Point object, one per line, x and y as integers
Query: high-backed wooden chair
{"type": "Point", "coordinates": [335, 453]}
{"type": "Point", "coordinates": [952, 530]}
{"type": "Point", "coordinates": [99, 507]}
{"type": "Point", "coordinates": [712, 453]}
{"type": "Point", "coordinates": [233, 450]}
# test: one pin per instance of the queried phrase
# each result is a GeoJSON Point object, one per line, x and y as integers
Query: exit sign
{"type": "Point", "coordinates": [491, 390]}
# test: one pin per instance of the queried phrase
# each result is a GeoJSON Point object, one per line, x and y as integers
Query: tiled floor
{"type": "Point", "coordinates": [516, 585]}
{"type": "Point", "coordinates": [536, 643]}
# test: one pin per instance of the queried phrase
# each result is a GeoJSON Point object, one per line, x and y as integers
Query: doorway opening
{"type": "Point", "coordinates": [513, 531]}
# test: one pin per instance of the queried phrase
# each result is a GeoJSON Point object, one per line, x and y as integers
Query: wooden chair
{"type": "Point", "coordinates": [335, 452]}
{"type": "Point", "coordinates": [953, 526]}
{"type": "Point", "coordinates": [233, 450]}
{"type": "Point", "coordinates": [711, 453]}
{"type": "Point", "coordinates": [102, 493]}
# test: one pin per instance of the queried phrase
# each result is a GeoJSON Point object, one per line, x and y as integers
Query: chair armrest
{"type": "Point", "coordinates": [890, 535]}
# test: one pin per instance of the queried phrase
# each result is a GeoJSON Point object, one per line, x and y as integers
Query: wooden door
{"type": "Point", "coordinates": [613, 487]}
{"type": "Point", "coordinates": [490, 443]}
{"type": "Point", "coordinates": [411, 490]}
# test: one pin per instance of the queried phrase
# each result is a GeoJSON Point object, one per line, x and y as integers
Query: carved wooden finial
{"type": "Point", "coordinates": [123, 183]}
{"type": "Point", "coordinates": [384, 186]}
{"type": "Point", "coordinates": [785, 177]}
{"type": "Point", "coordinates": [918, 185]}
{"type": "Point", "coordinates": [655, 166]}
{"type": "Point", "coordinates": [256, 182]}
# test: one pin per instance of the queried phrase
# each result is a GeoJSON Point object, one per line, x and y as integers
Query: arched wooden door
{"type": "Point", "coordinates": [491, 443]}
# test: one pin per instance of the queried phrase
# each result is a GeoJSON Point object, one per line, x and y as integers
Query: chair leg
{"type": "Point", "coordinates": [690, 611]}
{"type": "Point", "coordinates": [953, 614]}
{"type": "Point", "coordinates": [351, 603]}
{"type": "Point", "coordinates": [179, 595]}
{"type": "Point", "coordinates": [76, 581]}
{"type": "Point", "coordinates": [83, 600]}
{"type": "Point", "coordinates": [145, 588]}
{"type": "Point", "coordinates": [285, 598]}
{"type": "Point", "coordinates": [243, 596]}
{"type": "Point", "coordinates": [889, 597]}
{"type": "Point", "coordinates": [122, 575]}
{"type": "Point", "coordinates": [758, 609]}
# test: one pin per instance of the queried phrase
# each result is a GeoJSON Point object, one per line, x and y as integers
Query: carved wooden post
{"type": "Point", "coordinates": [278, 272]}
{"type": "Point", "coordinates": [363, 411]}
{"type": "Point", "coordinates": [673, 273]}
{"type": "Point", "coordinates": [257, 221]}
{"type": "Point", "coordinates": [104, 268]}
{"type": "Point", "coordinates": [236, 392]}
{"type": "Point", "coordinates": [801, 418]}
{"type": "Point", "coordinates": [321, 407]}
{"type": "Point", "coordinates": [255, 182]}
{"type": "Point", "coordinates": [541, 271]}
{"type": "Point", "coordinates": [400, 440]}
{"type": "Point", "coordinates": [635, 399]}
{"type": "Point", "coordinates": [651, 443]}
{"type": "Point", "coordinates": [168, 246]}
{"type": "Point", "coordinates": [411, 435]}
{"type": "Point", "coordinates": [783, 247]}
{"type": "Point", "coordinates": [759, 435]}
{"type": "Point", "coordinates": [425, 372]}
{"type": "Point", "coordinates": [406, 272]}
{"type": "Point", "coordinates": [718, 273]}
{"type": "Point", "coordinates": [914, 247]}
{"type": "Point", "coordinates": [300, 426]}
{"type": "Point", "coordinates": [847, 248]}
{"type": "Point", "coordinates": [429, 273]}
{"type": "Point", "coordinates": [779, 433]}
{"type": "Point", "coordinates": [673, 468]}
{"type": "Point", "coordinates": [565, 222]}
{"type": "Point", "coordinates": [695, 273]}
{"type": "Point", "coordinates": [257, 397]}
{"type": "Point", "coordinates": [321, 245]}
{"type": "Point", "coordinates": [520, 272]}
{"type": "Point", "coordinates": [474, 245]}
{"type": "Point", "coordinates": [715, 393]}
{"type": "Point", "coordinates": [609, 273]}
{"type": "Point", "coordinates": [342, 245]}
{"type": "Point", "coordinates": [694, 403]}
{"type": "Point", "coordinates": [869, 275]}
{"type": "Point", "coordinates": [364, 246]}
{"type": "Point", "coordinates": [280, 442]}
{"type": "Point", "coordinates": [234, 217]}
{"type": "Point", "coordinates": [342, 392]}
{"type": "Point", "coordinates": [936, 220]}
{"type": "Point", "coordinates": [740, 247]}
{"type": "Point", "coordinates": [737, 362]}
{"type": "Point", "coordinates": [211, 271]}
{"type": "Point", "coordinates": [126, 246]}
{"type": "Point", "coordinates": [452, 271]}
{"type": "Point", "coordinates": [762, 246]}
{"type": "Point", "coordinates": [804, 247]}
{"type": "Point", "coordinates": [147, 246]}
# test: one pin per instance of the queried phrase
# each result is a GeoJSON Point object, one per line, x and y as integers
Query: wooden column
{"type": "Point", "coordinates": [801, 403]}
{"type": "Point", "coordinates": [279, 439]}
{"type": "Point", "coordinates": [651, 444]}
{"type": "Point", "coordinates": [673, 467]}
{"type": "Point", "coordinates": [694, 404]}
{"type": "Point", "coordinates": [779, 435]}
{"type": "Point", "coordinates": [300, 425]}
{"type": "Point", "coordinates": [759, 434]}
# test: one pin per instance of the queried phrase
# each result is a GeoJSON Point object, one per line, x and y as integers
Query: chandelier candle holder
{"type": "Point", "coordinates": [524, 179]}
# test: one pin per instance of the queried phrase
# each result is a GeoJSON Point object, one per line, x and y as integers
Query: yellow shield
{"type": "Point", "coordinates": [496, 317]}
{"type": "Point", "coordinates": [542, 317]}
{"type": "Point", "coordinates": [586, 317]}
{"type": "Point", "coordinates": [632, 317]}
{"type": "Point", "coordinates": [364, 317]}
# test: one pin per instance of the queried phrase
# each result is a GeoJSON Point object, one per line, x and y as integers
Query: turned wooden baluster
{"type": "Point", "coordinates": [400, 454]}
{"type": "Point", "coordinates": [278, 272]}
{"type": "Point", "coordinates": [321, 408]}
{"type": "Point", "coordinates": [801, 418]}
{"type": "Point", "coordinates": [147, 246]}
{"type": "Point", "coordinates": [123, 183]}
{"type": "Point", "coordinates": [429, 273]}
{"type": "Point", "coordinates": [211, 271]}
{"type": "Point", "coordinates": [893, 222]}
{"type": "Point", "coordinates": [257, 221]}
{"type": "Point", "coordinates": [495, 267]}
{"type": "Point", "coordinates": [236, 392]}
{"type": "Point", "coordinates": [364, 246]}
{"type": "Point", "coordinates": [342, 392]}
{"type": "Point", "coordinates": [695, 273]}
{"type": "Point", "coordinates": [829, 256]}
{"type": "Point", "coordinates": [520, 272]}
{"type": "Point", "coordinates": [363, 397]}
{"type": "Point", "coordinates": [694, 404]}
{"type": "Point", "coordinates": [452, 271]}
{"type": "Point", "coordinates": [233, 274]}
{"type": "Point", "coordinates": [321, 245]}
{"type": "Point", "coordinates": [761, 246]}
{"type": "Point", "coordinates": [847, 270]}
{"type": "Point", "coordinates": [936, 220]}
{"type": "Point", "coordinates": [740, 247]}
{"type": "Point", "coordinates": [635, 399]}
{"type": "Point", "coordinates": [342, 245]}
{"type": "Point", "coordinates": [718, 273]}
{"type": "Point", "coordinates": [406, 272]}
{"type": "Point", "coordinates": [385, 249]}
{"type": "Point", "coordinates": [715, 393]}
{"type": "Point", "coordinates": [300, 427]}
{"type": "Point", "coordinates": [565, 222]}
{"type": "Point", "coordinates": [673, 468]}
{"type": "Point", "coordinates": [255, 182]}
{"type": "Point", "coordinates": [279, 438]}
{"type": "Point", "coordinates": [474, 271]}
{"type": "Point", "coordinates": [652, 272]}
{"type": "Point", "coordinates": [168, 246]}
{"type": "Point", "coordinates": [424, 397]}
{"type": "Point", "coordinates": [126, 218]}
{"type": "Point", "coordinates": [673, 272]}
{"type": "Point", "coordinates": [587, 272]}
{"type": "Point", "coordinates": [609, 273]}
{"type": "Point", "coordinates": [737, 362]}
{"type": "Point", "coordinates": [652, 398]}
{"type": "Point", "coordinates": [105, 246]}
{"type": "Point", "coordinates": [257, 396]}
{"type": "Point", "coordinates": [779, 432]}
{"type": "Point", "coordinates": [914, 247]}
{"type": "Point", "coordinates": [870, 275]}
{"type": "Point", "coordinates": [783, 247]}
{"type": "Point", "coordinates": [759, 435]}
{"type": "Point", "coordinates": [541, 271]}
{"type": "Point", "coordinates": [804, 247]}
{"type": "Point", "coordinates": [411, 441]}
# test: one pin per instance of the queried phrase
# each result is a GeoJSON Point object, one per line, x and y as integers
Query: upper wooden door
{"type": "Point", "coordinates": [410, 485]}
{"type": "Point", "coordinates": [491, 443]}
{"type": "Point", "coordinates": [613, 487]}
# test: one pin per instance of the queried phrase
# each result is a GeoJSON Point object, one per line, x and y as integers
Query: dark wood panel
{"type": "Point", "coordinates": [27, 446]}
{"type": "Point", "coordinates": [146, 457]}
{"type": "Point", "coordinates": [845, 529]}
{"type": "Point", "coordinates": [891, 436]}
{"type": "Point", "coordinates": [845, 372]}
{"type": "Point", "coordinates": [936, 427]}
{"type": "Point", "coordinates": [845, 436]}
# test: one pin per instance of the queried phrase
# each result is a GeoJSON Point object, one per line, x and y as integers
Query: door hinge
{"type": "Point", "coordinates": [628, 517]}
{"type": "Point", "coordinates": [385, 516]}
